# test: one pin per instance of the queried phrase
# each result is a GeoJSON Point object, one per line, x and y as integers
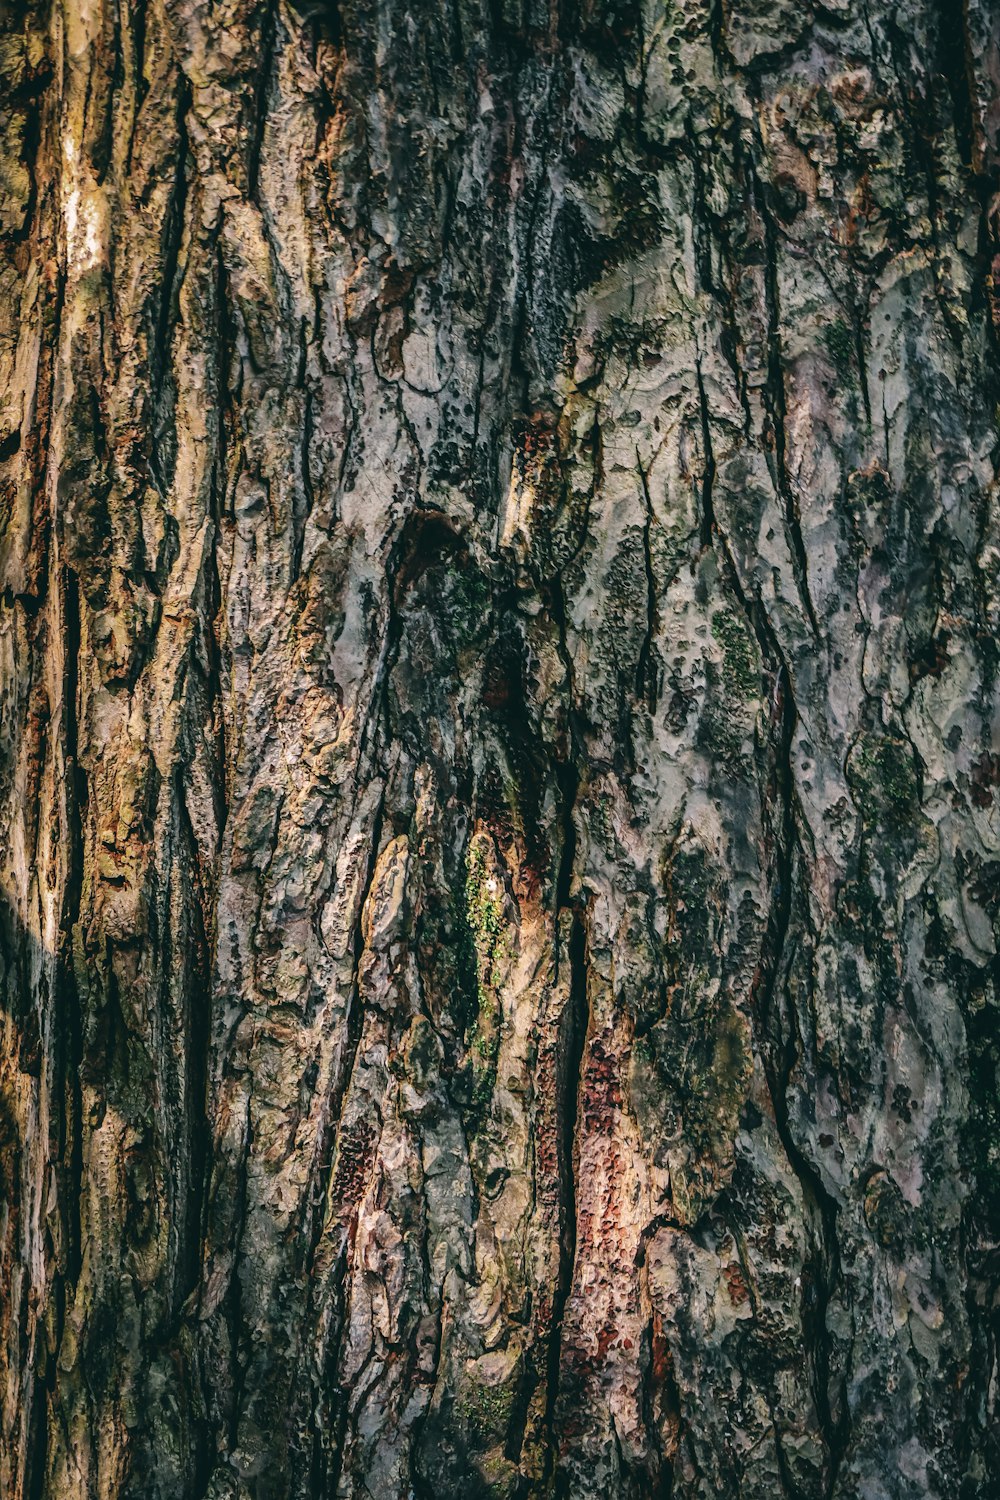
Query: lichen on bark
{"type": "Point", "coordinates": [499, 749]}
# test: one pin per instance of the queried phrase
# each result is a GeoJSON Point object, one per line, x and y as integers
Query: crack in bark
{"type": "Point", "coordinates": [774, 393]}
{"type": "Point", "coordinates": [268, 37]}
{"type": "Point", "coordinates": [576, 1020]}
{"type": "Point", "coordinates": [539, 141]}
{"type": "Point", "coordinates": [765, 997]}
{"type": "Point", "coordinates": [173, 236]}
{"type": "Point", "coordinates": [647, 679]}
{"type": "Point", "coordinates": [70, 1032]}
{"type": "Point", "coordinates": [196, 1054]}
{"type": "Point", "coordinates": [775, 965]}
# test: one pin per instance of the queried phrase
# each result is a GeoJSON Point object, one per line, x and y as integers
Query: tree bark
{"type": "Point", "coordinates": [499, 535]}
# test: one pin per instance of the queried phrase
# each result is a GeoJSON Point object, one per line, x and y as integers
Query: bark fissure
{"type": "Point", "coordinates": [647, 685]}
{"type": "Point", "coordinates": [68, 1032]}
{"type": "Point", "coordinates": [774, 396]}
{"type": "Point", "coordinates": [575, 1024]}
{"type": "Point", "coordinates": [498, 612]}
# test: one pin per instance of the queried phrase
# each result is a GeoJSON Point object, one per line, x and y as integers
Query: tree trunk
{"type": "Point", "coordinates": [500, 750]}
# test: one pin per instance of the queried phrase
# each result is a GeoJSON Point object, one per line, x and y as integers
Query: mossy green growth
{"type": "Point", "coordinates": [839, 341]}
{"type": "Point", "coordinates": [727, 718]}
{"type": "Point", "coordinates": [483, 912]}
{"type": "Point", "coordinates": [469, 597]}
{"type": "Point", "coordinates": [484, 920]}
{"type": "Point", "coordinates": [740, 660]}
{"type": "Point", "coordinates": [883, 776]}
{"type": "Point", "coordinates": [722, 736]}
{"type": "Point", "coordinates": [484, 1047]}
{"type": "Point", "coordinates": [487, 1408]}
{"type": "Point", "coordinates": [643, 1050]}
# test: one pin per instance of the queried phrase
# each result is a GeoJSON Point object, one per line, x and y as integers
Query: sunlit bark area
{"type": "Point", "coordinates": [499, 749]}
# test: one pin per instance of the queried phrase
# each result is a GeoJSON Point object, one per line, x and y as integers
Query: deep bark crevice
{"type": "Point", "coordinates": [498, 534]}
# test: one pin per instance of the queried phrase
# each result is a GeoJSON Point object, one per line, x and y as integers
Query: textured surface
{"type": "Point", "coordinates": [500, 750]}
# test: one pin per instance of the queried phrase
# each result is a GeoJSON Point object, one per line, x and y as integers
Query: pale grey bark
{"type": "Point", "coordinates": [500, 746]}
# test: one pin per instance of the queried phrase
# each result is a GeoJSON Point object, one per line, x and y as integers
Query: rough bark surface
{"type": "Point", "coordinates": [499, 535]}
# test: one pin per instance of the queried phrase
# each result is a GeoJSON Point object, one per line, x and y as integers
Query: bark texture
{"type": "Point", "coordinates": [499, 536]}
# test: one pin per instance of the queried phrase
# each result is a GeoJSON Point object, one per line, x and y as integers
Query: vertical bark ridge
{"type": "Point", "coordinates": [498, 534]}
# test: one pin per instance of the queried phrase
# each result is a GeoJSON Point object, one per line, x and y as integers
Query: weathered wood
{"type": "Point", "coordinates": [500, 746]}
